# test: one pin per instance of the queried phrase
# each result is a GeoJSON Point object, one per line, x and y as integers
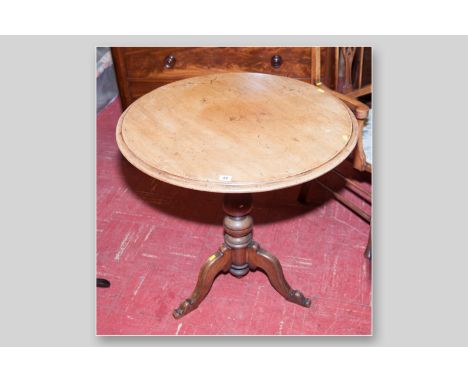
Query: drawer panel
{"type": "Point", "coordinates": [149, 63]}
{"type": "Point", "coordinates": [139, 88]}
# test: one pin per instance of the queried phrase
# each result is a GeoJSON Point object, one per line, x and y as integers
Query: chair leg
{"type": "Point", "coordinates": [302, 198]}
{"type": "Point", "coordinates": [368, 251]}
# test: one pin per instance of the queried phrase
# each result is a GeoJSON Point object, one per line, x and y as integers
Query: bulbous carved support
{"type": "Point", "coordinates": [238, 225]}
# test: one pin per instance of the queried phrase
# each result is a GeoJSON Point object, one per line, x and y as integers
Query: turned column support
{"type": "Point", "coordinates": [238, 225]}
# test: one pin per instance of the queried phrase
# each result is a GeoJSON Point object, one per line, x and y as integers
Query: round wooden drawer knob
{"type": "Point", "coordinates": [276, 61]}
{"type": "Point", "coordinates": [169, 62]}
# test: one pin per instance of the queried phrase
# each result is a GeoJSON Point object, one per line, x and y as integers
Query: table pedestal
{"type": "Point", "coordinates": [237, 255]}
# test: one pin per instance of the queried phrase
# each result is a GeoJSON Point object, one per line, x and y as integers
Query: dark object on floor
{"type": "Point", "coordinates": [103, 283]}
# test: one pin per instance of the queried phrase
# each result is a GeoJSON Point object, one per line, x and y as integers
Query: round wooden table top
{"type": "Point", "coordinates": [236, 132]}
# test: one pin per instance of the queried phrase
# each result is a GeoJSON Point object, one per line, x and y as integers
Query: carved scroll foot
{"type": "Point", "coordinates": [259, 258]}
{"type": "Point", "coordinates": [298, 298]}
{"type": "Point", "coordinates": [216, 263]}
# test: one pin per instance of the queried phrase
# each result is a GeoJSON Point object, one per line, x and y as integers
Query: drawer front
{"type": "Point", "coordinates": [151, 64]}
{"type": "Point", "coordinates": [139, 88]}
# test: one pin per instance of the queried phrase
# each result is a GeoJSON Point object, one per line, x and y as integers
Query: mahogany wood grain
{"type": "Point", "coordinates": [142, 69]}
{"type": "Point", "coordinates": [138, 88]}
{"type": "Point", "coordinates": [148, 63]}
{"type": "Point", "coordinates": [237, 132]}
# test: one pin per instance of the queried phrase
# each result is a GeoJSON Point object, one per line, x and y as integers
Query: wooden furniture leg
{"type": "Point", "coordinates": [368, 251]}
{"type": "Point", "coordinates": [238, 255]}
{"type": "Point", "coordinates": [302, 198]}
{"type": "Point", "coordinates": [216, 263]}
{"type": "Point", "coordinates": [259, 258]}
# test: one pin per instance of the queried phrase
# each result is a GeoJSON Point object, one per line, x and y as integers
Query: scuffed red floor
{"type": "Point", "coordinates": [152, 239]}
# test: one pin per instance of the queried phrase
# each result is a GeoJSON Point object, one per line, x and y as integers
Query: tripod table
{"type": "Point", "coordinates": [237, 134]}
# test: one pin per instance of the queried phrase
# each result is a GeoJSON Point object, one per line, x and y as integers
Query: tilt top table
{"type": "Point", "coordinates": [237, 133]}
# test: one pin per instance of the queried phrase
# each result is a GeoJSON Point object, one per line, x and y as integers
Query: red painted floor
{"type": "Point", "coordinates": [152, 238]}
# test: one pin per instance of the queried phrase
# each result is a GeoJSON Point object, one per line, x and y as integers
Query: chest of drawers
{"type": "Point", "coordinates": [140, 70]}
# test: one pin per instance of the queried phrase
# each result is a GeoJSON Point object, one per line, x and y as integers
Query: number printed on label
{"type": "Point", "coordinates": [225, 178]}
